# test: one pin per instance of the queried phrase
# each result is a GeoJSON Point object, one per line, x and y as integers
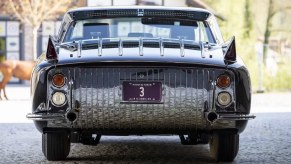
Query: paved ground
{"type": "Point", "coordinates": [19, 104]}
{"type": "Point", "coordinates": [266, 139]}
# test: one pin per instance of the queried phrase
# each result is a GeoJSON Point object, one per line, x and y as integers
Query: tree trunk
{"type": "Point", "coordinates": [34, 42]}
{"type": "Point", "coordinates": [248, 24]}
{"type": "Point", "coordinates": [267, 32]}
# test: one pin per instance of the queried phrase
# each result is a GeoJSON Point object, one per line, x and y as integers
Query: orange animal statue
{"type": "Point", "coordinates": [14, 68]}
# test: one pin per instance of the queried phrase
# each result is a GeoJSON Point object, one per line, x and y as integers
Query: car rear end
{"type": "Point", "coordinates": [164, 82]}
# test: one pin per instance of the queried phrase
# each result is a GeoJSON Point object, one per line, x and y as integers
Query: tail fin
{"type": "Point", "coordinates": [230, 52]}
{"type": "Point", "coordinates": [51, 53]}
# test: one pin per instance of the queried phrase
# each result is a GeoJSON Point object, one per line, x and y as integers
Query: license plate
{"type": "Point", "coordinates": [147, 92]}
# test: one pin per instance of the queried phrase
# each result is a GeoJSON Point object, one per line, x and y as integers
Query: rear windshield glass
{"type": "Point", "coordinates": [139, 27]}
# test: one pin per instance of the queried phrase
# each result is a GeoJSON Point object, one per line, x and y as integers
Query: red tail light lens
{"type": "Point", "coordinates": [58, 80]}
{"type": "Point", "coordinates": [223, 81]}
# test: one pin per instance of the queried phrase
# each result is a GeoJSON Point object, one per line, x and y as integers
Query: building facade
{"type": "Point", "coordinates": [10, 39]}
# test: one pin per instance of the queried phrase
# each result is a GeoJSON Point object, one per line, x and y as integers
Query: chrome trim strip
{"type": "Point", "coordinates": [97, 98]}
{"type": "Point", "coordinates": [57, 116]}
{"type": "Point", "coordinates": [120, 47]}
{"type": "Point", "coordinates": [140, 46]}
{"type": "Point", "coordinates": [86, 98]}
{"type": "Point", "coordinates": [103, 114]}
{"type": "Point", "coordinates": [71, 87]}
{"type": "Point", "coordinates": [80, 96]}
{"type": "Point", "coordinates": [182, 49]}
{"type": "Point", "coordinates": [161, 46]}
{"type": "Point", "coordinates": [225, 116]}
{"type": "Point", "coordinates": [108, 94]}
{"type": "Point", "coordinates": [100, 46]}
{"type": "Point", "coordinates": [79, 54]}
{"type": "Point", "coordinates": [92, 112]}
{"type": "Point", "coordinates": [202, 50]}
{"type": "Point", "coordinates": [235, 117]}
{"type": "Point", "coordinates": [203, 86]}
{"type": "Point", "coordinates": [213, 84]}
{"type": "Point", "coordinates": [45, 116]}
{"type": "Point", "coordinates": [196, 101]}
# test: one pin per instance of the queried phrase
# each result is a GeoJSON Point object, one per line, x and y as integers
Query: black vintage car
{"type": "Point", "coordinates": [140, 71]}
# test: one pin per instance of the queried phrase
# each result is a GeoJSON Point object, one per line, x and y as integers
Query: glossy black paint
{"type": "Point", "coordinates": [214, 58]}
{"type": "Point", "coordinates": [242, 79]}
{"type": "Point", "coordinates": [230, 54]}
{"type": "Point", "coordinates": [51, 53]}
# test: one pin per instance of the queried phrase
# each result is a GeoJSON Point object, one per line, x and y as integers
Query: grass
{"type": "Point", "coordinates": [280, 82]}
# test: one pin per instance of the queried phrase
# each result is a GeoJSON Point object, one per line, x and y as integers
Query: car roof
{"type": "Point", "coordinates": [132, 11]}
{"type": "Point", "coordinates": [138, 7]}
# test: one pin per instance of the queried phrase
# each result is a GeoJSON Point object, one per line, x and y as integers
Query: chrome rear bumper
{"type": "Point", "coordinates": [56, 116]}
{"type": "Point", "coordinates": [45, 116]}
{"type": "Point", "coordinates": [236, 117]}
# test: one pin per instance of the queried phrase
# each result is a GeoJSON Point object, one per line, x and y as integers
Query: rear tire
{"type": "Point", "coordinates": [56, 145]}
{"type": "Point", "coordinates": [224, 146]}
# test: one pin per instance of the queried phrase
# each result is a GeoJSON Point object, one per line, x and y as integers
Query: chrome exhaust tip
{"type": "Point", "coordinates": [212, 117]}
{"type": "Point", "coordinates": [71, 116]}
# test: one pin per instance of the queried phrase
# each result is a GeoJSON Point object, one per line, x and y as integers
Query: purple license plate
{"type": "Point", "coordinates": [148, 92]}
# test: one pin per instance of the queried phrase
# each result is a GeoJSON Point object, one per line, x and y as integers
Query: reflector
{"type": "Point", "coordinates": [58, 80]}
{"type": "Point", "coordinates": [224, 98]}
{"type": "Point", "coordinates": [223, 81]}
{"type": "Point", "coordinates": [58, 98]}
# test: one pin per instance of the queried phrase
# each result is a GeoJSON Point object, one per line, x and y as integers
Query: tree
{"type": "Point", "coordinates": [268, 26]}
{"type": "Point", "coordinates": [271, 12]}
{"type": "Point", "coordinates": [248, 23]}
{"type": "Point", "coordinates": [35, 12]}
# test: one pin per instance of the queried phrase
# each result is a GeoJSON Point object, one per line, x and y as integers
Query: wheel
{"type": "Point", "coordinates": [56, 145]}
{"type": "Point", "coordinates": [224, 146]}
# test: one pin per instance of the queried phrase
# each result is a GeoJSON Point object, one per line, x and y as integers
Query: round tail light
{"type": "Point", "coordinates": [58, 80]}
{"type": "Point", "coordinates": [59, 98]}
{"type": "Point", "coordinates": [224, 98]}
{"type": "Point", "coordinates": [223, 81]}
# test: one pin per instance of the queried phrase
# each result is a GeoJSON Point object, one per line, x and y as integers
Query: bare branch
{"type": "Point", "coordinates": [57, 7]}
{"type": "Point", "coordinates": [280, 10]}
{"type": "Point", "coordinates": [281, 30]}
{"type": "Point", "coordinates": [34, 12]}
{"type": "Point", "coordinates": [17, 12]}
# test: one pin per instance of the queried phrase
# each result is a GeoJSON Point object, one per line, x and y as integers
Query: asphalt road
{"type": "Point", "coordinates": [267, 139]}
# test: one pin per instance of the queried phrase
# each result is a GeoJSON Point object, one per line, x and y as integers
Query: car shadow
{"type": "Point", "coordinates": [153, 149]}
